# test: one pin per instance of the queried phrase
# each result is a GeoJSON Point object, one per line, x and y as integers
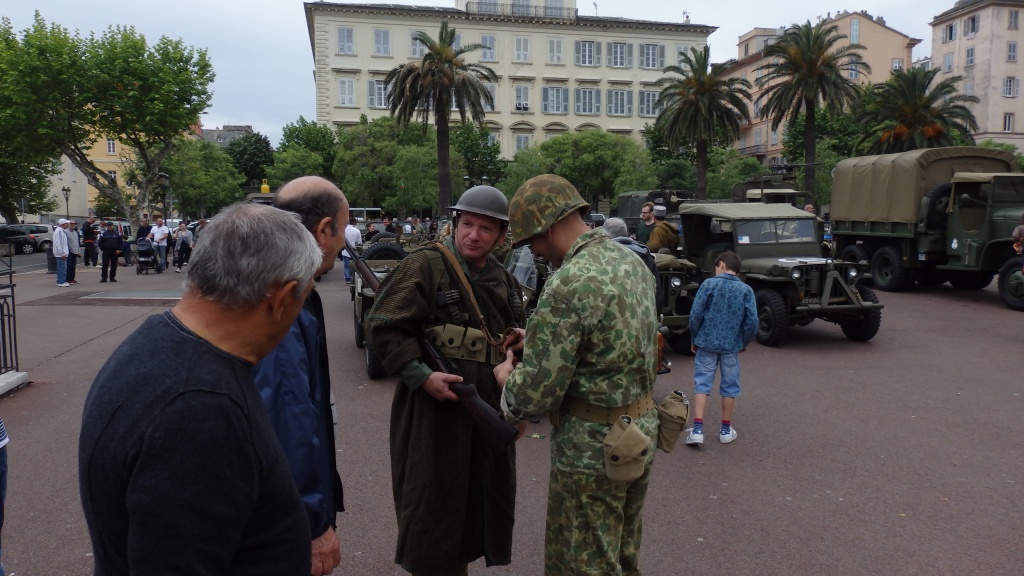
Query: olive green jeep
{"type": "Point", "coordinates": [781, 258]}
{"type": "Point", "coordinates": [381, 258]}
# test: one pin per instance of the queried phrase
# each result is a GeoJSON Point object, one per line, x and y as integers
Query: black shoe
{"type": "Point", "coordinates": [102, 280]}
{"type": "Point", "coordinates": [112, 280]}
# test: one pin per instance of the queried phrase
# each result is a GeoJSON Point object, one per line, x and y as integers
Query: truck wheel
{"type": "Point", "coordinates": [772, 317]}
{"type": "Point", "coordinates": [970, 280]}
{"type": "Point", "coordinates": [1011, 284]}
{"type": "Point", "coordinates": [864, 328]}
{"type": "Point", "coordinates": [938, 200]}
{"type": "Point", "coordinates": [374, 367]}
{"type": "Point", "coordinates": [888, 271]}
{"type": "Point", "coordinates": [357, 321]}
{"type": "Point", "coordinates": [384, 251]}
{"type": "Point", "coordinates": [855, 253]}
{"type": "Point", "coordinates": [378, 236]}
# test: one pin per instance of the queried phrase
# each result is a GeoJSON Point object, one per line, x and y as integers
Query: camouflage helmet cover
{"type": "Point", "coordinates": [484, 200]}
{"type": "Point", "coordinates": [539, 203]}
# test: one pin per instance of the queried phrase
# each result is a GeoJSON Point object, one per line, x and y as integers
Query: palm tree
{"type": "Point", "coordinates": [904, 114]}
{"type": "Point", "coordinates": [699, 103]}
{"type": "Point", "coordinates": [806, 68]}
{"type": "Point", "coordinates": [443, 80]}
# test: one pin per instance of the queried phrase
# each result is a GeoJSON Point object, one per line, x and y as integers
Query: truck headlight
{"type": "Point", "coordinates": [796, 274]}
{"type": "Point", "coordinates": [853, 272]}
{"type": "Point", "coordinates": [675, 282]}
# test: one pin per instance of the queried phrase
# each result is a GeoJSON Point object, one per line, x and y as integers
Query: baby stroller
{"type": "Point", "coordinates": [146, 257]}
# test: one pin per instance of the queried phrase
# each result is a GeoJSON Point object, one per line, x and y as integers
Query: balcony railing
{"type": "Point", "coordinates": [755, 150]}
{"type": "Point", "coordinates": [520, 10]}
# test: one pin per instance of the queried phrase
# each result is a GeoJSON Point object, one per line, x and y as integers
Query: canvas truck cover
{"type": "Point", "coordinates": [889, 187]}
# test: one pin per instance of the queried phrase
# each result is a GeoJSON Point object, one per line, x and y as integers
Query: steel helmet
{"type": "Point", "coordinates": [483, 200]}
{"type": "Point", "coordinates": [539, 203]}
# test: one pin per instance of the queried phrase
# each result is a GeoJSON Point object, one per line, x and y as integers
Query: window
{"type": "Point", "coordinates": [757, 108]}
{"type": "Point", "coordinates": [743, 75]}
{"type": "Point", "coordinates": [855, 30]}
{"type": "Point", "coordinates": [968, 88]}
{"type": "Point", "coordinates": [1007, 122]}
{"type": "Point", "coordinates": [347, 92]}
{"type": "Point", "coordinates": [949, 32]}
{"type": "Point", "coordinates": [492, 89]}
{"type": "Point", "coordinates": [897, 64]}
{"type": "Point", "coordinates": [588, 53]}
{"type": "Point", "coordinates": [488, 53]}
{"type": "Point", "coordinates": [775, 137]}
{"type": "Point", "coordinates": [555, 100]}
{"type": "Point", "coordinates": [1011, 51]}
{"type": "Point", "coordinates": [492, 139]}
{"type": "Point", "coordinates": [588, 101]}
{"type": "Point", "coordinates": [1013, 17]}
{"type": "Point", "coordinates": [648, 103]}
{"type": "Point", "coordinates": [746, 49]}
{"type": "Point", "coordinates": [970, 26]}
{"type": "Point", "coordinates": [417, 49]}
{"type": "Point", "coordinates": [680, 49]}
{"type": "Point", "coordinates": [111, 146]}
{"type": "Point", "coordinates": [947, 62]}
{"type": "Point", "coordinates": [522, 93]}
{"type": "Point", "coordinates": [522, 142]}
{"type": "Point", "coordinates": [346, 44]}
{"type": "Point", "coordinates": [653, 56]}
{"type": "Point", "coordinates": [378, 95]}
{"type": "Point", "coordinates": [554, 50]}
{"type": "Point", "coordinates": [1011, 87]}
{"type": "Point", "coordinates": [381, 42]}
{"type": "Point", "coordinates": [853, 71]}
{"type": "Point", "coordinates": [522, 49]}
{"type": "Point", "coordinates": [112, 174]}
{"type": "Point", "coordinates": [758, 72]}
{"type": "Point", "coordinates": [553, 8]}
{"type": "Point", "coordinates": [620, 102]}
{"type": "Point", "coordinates": [520, 7]}
{"type": "Point", "coordinates": [620, 55]}
{"type": "Point", "coordinates": [969, 60]}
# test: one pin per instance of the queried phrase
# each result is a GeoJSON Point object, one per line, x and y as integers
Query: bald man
{"type": "Point", "coordinates": [294, 380]}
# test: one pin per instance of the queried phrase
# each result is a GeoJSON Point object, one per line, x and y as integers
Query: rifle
{"type": "Point", "coordinates": [492, 426]}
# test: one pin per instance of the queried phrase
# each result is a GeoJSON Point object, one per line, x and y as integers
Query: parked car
{"type": "Point", "coordinates": [23, 243]}
{"type": "Point", "coordinates": [42, 232]}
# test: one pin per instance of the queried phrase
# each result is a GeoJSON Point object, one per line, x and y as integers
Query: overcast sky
{"type": "Point", "coordinates": [261, 54]}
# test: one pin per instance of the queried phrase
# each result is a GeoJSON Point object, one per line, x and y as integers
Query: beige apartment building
{"type": "Point", "coordinates": [558, 70]}
{"type": "Point", "coordinates": [979, 40]}
{"type": "Point", "coordinates": [885, 50]}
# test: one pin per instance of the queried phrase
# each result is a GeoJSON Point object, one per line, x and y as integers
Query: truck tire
{"type": "Point", "coordinates": [357, 322]}
{"type": "Point", "coordinates": [384, 251]}
{"type": "Point", "coordinates": [374, 368]}
{"type": "Point", "coordinates": [378, 236]}
{"type": "Point", "coordinates": [855, 253]}
{"type": "Point", "coordinates": [970, 280]}
{"type": "Point", "coordinates": [772, 317]}
{"type": "Point", "coordinates": [865, 328]}
{"type": "Point", "coordinates": [1011, 284]}
{"type": "Point", "coordinates": [938, 200]}
{"type": "Point", "coordinates": [888, 271]}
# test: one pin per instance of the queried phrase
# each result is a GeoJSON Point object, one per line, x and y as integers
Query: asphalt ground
{"type": "Point", "coordinates": [903, 455]}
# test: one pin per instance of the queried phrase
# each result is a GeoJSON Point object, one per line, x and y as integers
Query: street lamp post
{"type": "Point", "coordinates": [67, 199]}
{"type": "Point", "coordinates": [469, 182]}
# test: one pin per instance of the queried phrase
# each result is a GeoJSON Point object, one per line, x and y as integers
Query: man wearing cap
{"type": "Point", "coordinates": [89, 244]}
{"type": "Point", "coordinates": [664, 236]}
{"type": "Point", "coordinates": [110, 246]}
{"type": "Point", "coordinates": [61, 250]}
{"type": "Point", "coordinates": [454, 497]}
{"type": "Point", "coordinates": [643, 229]}
{"type": "Point", "coordinates": [590, 361]}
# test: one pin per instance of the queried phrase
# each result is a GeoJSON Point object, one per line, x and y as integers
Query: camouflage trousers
{"type": "Point", "coordinates": [594, 525]}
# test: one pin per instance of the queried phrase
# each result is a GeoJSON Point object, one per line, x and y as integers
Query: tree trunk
{"type": "Point", "coordinates": [810, 145]}
{"type": "Point", "coordinates": [444, 174]}
{"type": "Point", "coordinates": [702, 170]}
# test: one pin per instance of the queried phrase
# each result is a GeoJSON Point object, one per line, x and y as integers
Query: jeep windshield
{"type": "Point", "coordinates": [777, 231]}
{"type": "Point", "coordinates": [1009, 190]}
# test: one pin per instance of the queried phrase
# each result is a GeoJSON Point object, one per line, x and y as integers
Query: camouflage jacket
{"type": "Point", "coordinates": [590, 338]}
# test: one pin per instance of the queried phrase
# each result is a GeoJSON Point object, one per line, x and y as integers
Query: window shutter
{"type": "Point", "coordinates": [458, 42]}
{"type": "Point", "coordinates": [597, 101]}
{"type": "Point", "coordinates": [629, 55]}
{"type": "Point", "coordinates": [578, 109]}
{"type": "Point", "coordinates": [544, 99]}
{"type": "Point", "coordinates": [609, 111]}
{"type": "Point", "coordinates": [597, 54]}
{"type": "Point", "coordinates": [1016, 87]}
{"type": "Point", "coordinates": [629, 102]}
{"type": "Point", "coordinates": [370, 101]}
{"type": "Point", "coordinates": [608, 50]}
{"type": "Point", "coordinates": [577, 52]}
{"type": "Point", "coordinates": [565, 100]}
{"type": "Point", "coordinates": [661, 55]}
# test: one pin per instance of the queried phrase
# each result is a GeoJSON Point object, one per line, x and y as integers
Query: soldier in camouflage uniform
{"type": "Point", "coordinates": [591, 356]}
{"type": "Point", "coordinates": [454, 498]}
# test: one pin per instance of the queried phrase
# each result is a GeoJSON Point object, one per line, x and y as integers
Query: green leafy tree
{"type": "Point", "coordinates": [314, 137]}
{"type": "Point", "coordinates": [481, 156]}
{"type": "Point", "coordinates": [528, 162]}
{"type": "Point", "coordinates": [293, 162]}
{"type": "Point", "coordinates": [203, 178]}
{"type": "Point", "coordinates": [698, 102]}
{"type": "Point", "coordinates": [908, 113]}
{"type": "Point", "coordinates": [71, 91]}
{"type": "Point", "coordinates": [840, 131]}
{"type": "Point", "coordinates": [414, 174]}
{"type": "Point", "coordinates": [594, 161]}
{"type": "Point", "coordinates": [807, 69]}
{"type": "Point", "coordinates": [673, 167]}
{"type": "Point", "coordinates": [432, 87]}
{"type": "Point", "coordinates": [726, 167]}
{"type": "Point", "coordinates": [252, 155]}
{"type": "Point", "coordinates": [990, 143]}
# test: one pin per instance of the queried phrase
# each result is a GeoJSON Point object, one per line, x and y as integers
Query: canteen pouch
{"type": "Point", "coordinates": [625, 450]}
{"type": "Point", "coordinates": [672, 415]}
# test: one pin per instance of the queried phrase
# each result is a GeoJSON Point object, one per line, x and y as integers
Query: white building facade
{"type": "Point", "coordinates": [557, 71]}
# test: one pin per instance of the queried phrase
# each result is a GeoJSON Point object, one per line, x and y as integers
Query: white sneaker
{"type": "Point", "coordinates": [64, 285]}
{"type": "Point", "coordinates": [692, 438]}
{"type": "Point", "coordinates": [726, 437]}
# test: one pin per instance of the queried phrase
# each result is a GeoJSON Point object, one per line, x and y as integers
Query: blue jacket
{"type": "Point", "coordinates": [295, 386]}
{"type": "Point", "coordinates": [724, 316]}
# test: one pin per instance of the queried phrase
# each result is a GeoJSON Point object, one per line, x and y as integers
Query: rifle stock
{"type": "Point", "coordinates": [492, 426]}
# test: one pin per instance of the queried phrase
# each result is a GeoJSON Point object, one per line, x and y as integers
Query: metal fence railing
{"type": "Point", "coordinates": [524, 10]}
{"type": "Point", "coordinates": [8, 320]}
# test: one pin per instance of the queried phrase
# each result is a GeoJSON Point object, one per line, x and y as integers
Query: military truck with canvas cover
{"type": "Point", "coordinates": [779, 248]}
{"type": "Point", "coordinates": [932, 216]}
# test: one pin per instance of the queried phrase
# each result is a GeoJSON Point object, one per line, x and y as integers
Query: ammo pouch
{"type": "Point", "coordinates": [672, 415]}
{"type": "Point", "coordinates": [625, 450]}
{"type": "Point", "coordinates": [464, 343]}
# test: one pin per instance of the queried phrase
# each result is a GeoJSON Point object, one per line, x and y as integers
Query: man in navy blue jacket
{"type": "Point", "coordinates": [294, 381]}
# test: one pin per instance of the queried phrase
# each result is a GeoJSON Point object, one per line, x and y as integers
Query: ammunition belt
{"type": "Point", "coordinates": [464, 343]}
{"type": "Point", "coordinates": [607, 415]}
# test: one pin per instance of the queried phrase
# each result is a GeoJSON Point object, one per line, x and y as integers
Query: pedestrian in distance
{"type": "Point", "coordinates": [183, 243]}
{"type": "Point", "coordinates": [110, 245]}
{"type": "Point", "coordinates": [454, 494]}
{"type": "Point", "coordinates": [179, 470]}
{"type": "Point", "coordinates": [294, 379]}
{"type": "Point", "coordinates": [61, 251]}
{"type": "Point", "coordinates": [89, 235]}
{"type": "Point", "coordinates": [590, 361]}
{"type": "Point", "coordinates": [664, 236]}
{"type": "Point", "coordinates": [159, 234]}
{"type": "Point", "coordinates": [723, 322]}
{"type": "Point", "coordinates": [74, 251]}
{"type": "Point", "coordinates": [355, 238]}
